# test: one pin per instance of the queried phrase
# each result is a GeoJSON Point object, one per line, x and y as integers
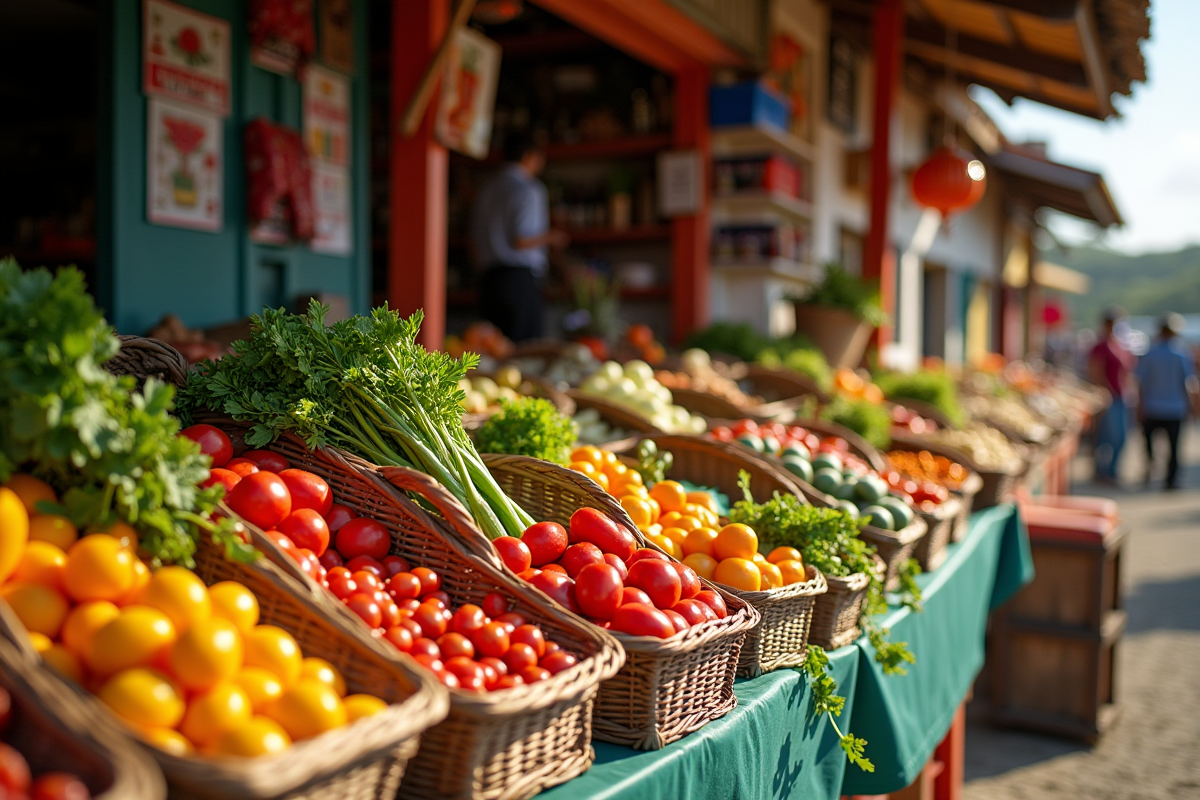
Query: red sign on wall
{"type": "Point", "coordinates": [185, 56]}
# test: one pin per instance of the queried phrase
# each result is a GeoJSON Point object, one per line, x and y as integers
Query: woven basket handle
{"type": "Point", "coordinates": [13, 632]}
{"type": "Point", "coordinates": [453, 515]}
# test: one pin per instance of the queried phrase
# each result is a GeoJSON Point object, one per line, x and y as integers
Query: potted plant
{"type": "Point", "coordinates": [839, 314]}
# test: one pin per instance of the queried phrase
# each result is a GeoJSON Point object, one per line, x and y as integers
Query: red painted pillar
{"type": "Point", "coordinates": [417, 183]}
{"type": "Point", "coordinates": [690, 235]}
{"type": "Point", "coordinates": [879, 261]}
{"type": "Point", "coordinates": [948, 785]}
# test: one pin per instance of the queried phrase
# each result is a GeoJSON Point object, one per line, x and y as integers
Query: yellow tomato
{"type": "Point", "coordinates": [82, 623]}
{"type": "Point", "coordinates": [792, 572]}
{"type": "Point", "coordinates": [637, 509]}
{"type": "Point", "coordinates": [759, 558]}
{"type": "Point", "coordinates": [609, 457]}
{"type": "Point", "coordinates": [588, 454]}
{"type": "Point", "coordinates": [616, 471]}
{"type": "Point", "coordinates": [585, 468]}
{"type": "Point", "coordinates": [703, 564]}
{"type": "Point", "coordinates": [167, 740]}
{"type": "Point", "coordinates": [30, 490]}
{"type": "Point", "coordinates": [783, 554]}
{"type": "Point", "coordinates": [676, 535]}
{"type": "Point", "coordinates": [139, 637]}
{"type": "Point", "coordinates": [214, 713]}
{"type": "Point", "coordinates": [308, 709]}
{"type": "Point", "coordinates": [633, 478]}
{"type": "Point", "coordinates": [57, 530]}
{"type": "Point", "coordinates": [735, 541]}
{"type": "Point", "coordinates": [772, 576]}
{"type": "Point", "coordinates": [206, 654]}
{"type": "Point", "coordinates": [670, 495]}
{"type": "Point", "coordinates": [655, 508]}
{"type": "Point", "coordinates": [40, 608]}
{"type": "Point", "coordinates": [180, 594]}
{"type": "Point", "coordinates": [669, 519]}
{"type": "Point", "coordinates": [41, 563]}
{"type": "Point", "coordinates": [64, 662]}
{"type": "Point", "coordinates": [234, 602]}
{"type": "Point", "coordinates": [740, 573]}
{"type": "Point", "coordinates": [141, 577]}
{"type": "Point", "coordinates": [260, 685]}
{"type": "Point", "coordinates": [144, 698]}
{"type": "Point", "coordinates": [14, 531]}
{"type": "Point", "coordinates": [98, 568]}
{"type": "Point", "coordinates": [321, 670]}
{"type": "Point", "coordinates": [274, 650]}
{"type": "Point", "coordinates": [362, 705]}
{"type": "Point", "coordinates": [258, 737]}
{"type": "Point", "coordinates": [689, 523]}
{"type": "Point", "coordinates": [121, 531]}
{"type": "Point", "coordinates": [703, 499]}
{"type": "Point", "coordinates": [700, 541]}
{"type": "Point", "coordinates": [40, 641]}
{"type": "Point", "coordinates": [602, 479]}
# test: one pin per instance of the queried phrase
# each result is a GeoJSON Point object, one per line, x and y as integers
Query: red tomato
{"type": "Point", "coordinates": [400, 637]}
{"type": "Point", "coordinates": [424, 646]}
{"type": "Point", "coordinates": [514, 553]}
{"type": "Point", "coordinates": [616, 563]}
{"type": "Point", "coordinates": [430, 580]}
{"type": "Point", "coordinates": [441, 596]}
{"type": "Point", "coordinates": [469, 672]}
{"type": "Point", "coordinates": [308, 563]}
{"type": "Point", "coordinates": [367, 564]}
{"type": "Point", "coordinates": [241, 466]}
{"type": "Point", "coordinates": [410, 624]}
{"type": "Point", "coordinates": [509, 682]}
{"type": "Point", "coordinates": [59, 786]}
{"type": "Point", "coordinates": [394, 565]}
{"type": "Point", "coordinates": [468, 620]}
{"type": "Point", "coordinates": [495, 604]}
{"type": "Point", "coordinates": [551, 647]}
{"type": "Point", "coordinates": [342, 585]}
{"type": "Point", "coordinates": [213, 443]}
{"type": "Point", "coordinates": [578, 556]}
{"type": "Point", "coordinates": [363, 536]}
{"type": "Point", "coordinates": [546, 542]}
{"type": "Point", "coordinates": [308, 490]}
{"type": "Point", "coordinates": [658, 579]}
{"type": "Point", "coordinates": [496, 665]}
{"type": "Point", "coordinates": [722, 434]}
{"type": "Point", "coordinates": [529, 574]}
{"type": "Point", "coordinates": [367, 581]}
{"type": "Point", "coordinates": [534, 674]}
{"type": "Point", "coordinates": [689, 581]}
{"type": "Point", "coordinates": [492, 640]}
{"type": "Point", "coordinates": [520, 656]}
{"type": "Point", "coordinates": [455, 644]}
{"type": "Point", "coordinates": [226, 477]}
{"type": "Point", "coordinates": [598, 589]}
{"type": "Point", "coordinates": [261, 499]}
{"type": "Point", "coordinates": [714, 601]}
{"type": "Point", "coordinates": [448, 679]}
{"type": "Point", "coordinates": [408, 604]}
{"type": "Point", "coordinates": [512, 619]}
{"type": "Point", "coordinates": [630, 594]}
{"type": "Point", "coordinates": [338, 516]}
{"type": "Point", "coordinates": [366, 608]}
{"type": "Point", "coordinates": [560, 589]}
{"type": "Point", "coordinates": [282, 542]}
{"type": "Point", "coordinates": [677, 620]}
{"type": "Point", "coordinates": [532, 636]}
{"type": "Point", "coordinates": [306, 528]}
{"type": "Point", "coordinates": [559, 568]}
{"type": "Point", "coordinates": [744, 426]}
{"type": "Point", "coordinates": [14, 770]}
{"type": "Point", "coordinates": [694, 611]}
{"type": "Point", "coordinates": [432, 663]}
{"type": "Point", "coordinates": [266, 460]}
{"type": "Point", "coordinates": [331, 559]}
{"type": "Point", "coordinates": [556, 662]}
{"type": "Point", "coordinates": [645, 552]}
{"type": "Point", "coordinates": [430, 618]}
{"type": "Point", "coordinates": [638, 619]}
{"type": "Point", "coordinates": [389, 612]}
{"type": "Point", "coordinates": [590, 525]}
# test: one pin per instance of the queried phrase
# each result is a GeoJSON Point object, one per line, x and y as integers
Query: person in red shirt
{"type": "Point", "coordinates": [1110, 366]}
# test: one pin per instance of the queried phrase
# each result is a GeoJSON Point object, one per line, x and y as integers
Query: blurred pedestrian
{"type": "Point", "coordinates": [1110, 366]}
{"type": "Point", "coordinates": [509, 233]}
{"type": "Point", "coordinates": [1169, 392]}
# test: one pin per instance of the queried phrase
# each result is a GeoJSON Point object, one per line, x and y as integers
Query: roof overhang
{"type": "Point", "coordinates": [1044, 183]}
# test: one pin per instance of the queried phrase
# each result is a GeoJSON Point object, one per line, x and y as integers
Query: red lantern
{"type": "Point", "coordinates": [949, 181]}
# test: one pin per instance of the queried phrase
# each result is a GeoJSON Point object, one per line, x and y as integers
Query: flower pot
{"type": "Point", "coordinates": [840, 335]}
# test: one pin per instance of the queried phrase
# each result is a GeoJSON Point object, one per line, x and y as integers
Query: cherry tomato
{"type": "Point", "coordinates": [509, 682]}
{"type": "Point", "coordinates": [744, 426]}
{"type": "Point", "coordinates": [424, 646]}
{"type": "Point", "coordinates": [213, 443]}
{"type": "Point", "coordinates": [689, 581]}
{"type": "Point", "coordinates": [394, 565]}
{"type": "Point", "coordinates": [59, 786]}
{"type": "Point", "coordinates": [282, 542]}
{"type": "Point", "coordinates": [644, 553]}
{"type": "Point", "coordinates": [598, 590]}
{"type": "Point", "coordinates": [658, 579]}
{"type": "Point", "coordinates": [713, 601]}
{"type": "Point", "coordinates": [308, 490]}
{"type": "Point", "coordinates": [556, 662]}
{"type": "Point", "coordinates": [638, 619]}
{"type": "Point", "coordinates": [331, 559]}
{"type": "Point", "coordinates": [552, 647]}
{"type": "Point", "coordinates": [432, 663]}
{"type": "Point", "coordinates": [559, 568]}
{"type": "Point", "coordinates": [226, 477]}
{"type": "Point", "coordinates": [266, 460]}
{"type": "Point", "coordinates": [528, 574]}
{"type": "Point", "coordinates": [494, 604]}
{"type": "Point", "coordinates": [389, 612]}
{"type": "Point", "coordinates": [430, 618]}
{"type": "Point", "coordinates": [14, 770]}
{"type": "Point", "coordinates": [408, 604]}
{"type": "Point", "coordinates": [534, 674]}
{"type": "Point", "coordinates": [520, 656]}
{"type": "Point", "coordinates": [546, 542]}
{"type": "Point", "coordinates": [440, 596]}
{"type": "Point", "coordinates": [578, 556]}
{"type": "Point", "coordinates": [694, 611]}
{"type": "Point", "coordinates": [616, 563]}
{"type": "Point", "coordinates": [400, 637]}
{"type": "Point", "coordinates": [306, 528]}
{"type": "Point", "coordinates": [490, 675]}
{"type": "Point", "coordinates": [448, 679]}
{"type": "Point", "coordinates": [631, 594]}
{"type": "Point", "coordinates": [367, 581]}
{"type": "Point", "coordinates": [410, 625]}
{"type": "Point", "coordinates": [308, 563]}
{"type": "Point", "coordinates": [470, 673]}
{"type": "Point", "coordinates": [559, 587]}
{"type": "Point", "coordinates": [363, 536]}
{"type": "Point", "coordinates": [492, 640]}
{"type": "Point", "coordinates": [404, 586]}
{"type": "Point", "coordinates": [532, 636]}
{"type": "Point", "coordinates": [590, 525]}
{"type": "Point", "coordinates": [496, 665]}
{"type": "Point", "coordinates": [468, 620]}
{"type": "Point", "coordinates": [366, 608]}
{"type": "Point", "coordinates": [338, 516]}
{"type": "Point", "coordinates": [430, 580]}
{"type": "Point", "coordinates": [455, 644]}
{"type": "Point", "coordinates": [512, 619]}
{"type": "Point", "coordinates": [241, 467]}
{"type": "Point", "coordinates": [261, 499]}
{"type": "Point", "coordinates": [513, 552]}
{"type": "Point", "coordinates": [342, 585]}
{"type": "Point", "coordinates": [677, 620]}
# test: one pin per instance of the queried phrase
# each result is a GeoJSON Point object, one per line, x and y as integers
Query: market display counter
{"type": "Point", "coordinates": [769, 746]}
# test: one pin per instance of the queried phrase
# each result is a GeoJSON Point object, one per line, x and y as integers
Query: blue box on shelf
{"type": "Point", "coordinates": [748, 103]}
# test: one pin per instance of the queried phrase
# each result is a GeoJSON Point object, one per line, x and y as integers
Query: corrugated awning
{"type": "Point", "coordinates": [1060, 278]}
{"type": "Point", "coordinates": [1045, 183]}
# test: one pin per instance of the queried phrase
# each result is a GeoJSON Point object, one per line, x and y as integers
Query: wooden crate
{"type": "Point", "coordinates": [1075, 582]}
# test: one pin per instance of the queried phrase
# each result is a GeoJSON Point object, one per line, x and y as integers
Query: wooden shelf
{"type": "Point", "coordinates": [755, 140]}
{"type": "Point", "coordinates": [770, 268]}
{"type": "Point", "coordinates": [636, 233]}
{"type": "Point", "coordinates": [758, 202]}
{"type": "Point", "coordinates": [609, 148]}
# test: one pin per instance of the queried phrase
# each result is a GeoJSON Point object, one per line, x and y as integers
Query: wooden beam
{"type": "Point", "coordinates": [690, 235]}
{"type": "Point", "coordinates": [1046, 9]}
{"type": "Point", "coordinates": [1085, 24]}
{"type": "Point", "coordinates": [932, 37]}
{"type": "Point", "coordinates": [1008, 94]}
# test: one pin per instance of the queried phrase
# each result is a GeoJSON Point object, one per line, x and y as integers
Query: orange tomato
{"type": "Point", "coordinates": [671, 496]}
{"type": "Point", "coordinates": [362, 705]}
{"type": "Point", "coordinates": [207, 653]}
{"type": "Point", "coordinates": [700, 541]}
{"type": "Point", "coordinates": [14, 531]}
{"type": "Point", "coordinates": [143, 697]}
{"type": "Point", "coordinates": [82, 623]}
{"type": "Point", "coordinates": [609, 457]}
{"type": "Point", "coordinates": [234, 602]}
{"type": "Point", "coordinates": [588, 454]}
{"type": "Point", "coordinates": [585, 468]}
{"type": "Point", "coordinates": [772, 577]}
{"type": "Point", "coordinates": [40, 608]}
{"type": "Point", "coordinates": [30, 490]}
{"type": "Point", "coordinates": [321, 670]}
{"type": "Point", "coordinates": [637, 509]}
{"type": "Point", "coordinates": [703, 564]}
{"type": "Point", "coordinates": [121, 531]}
{"type": "Point", "coordinates": [633, 478]}
{"type": "Point", "coordinates": [667, 544]}
{"type": "Point", "coordinates": [141, 577]}
{"type": "Point", "coordinates": [689, 523]}
{"type": "Point", "coordinates": [792, 572]}
{"type": "Point", "coordinates": [872, 394]}
{"type": "Point", "coordinates": [98, 568]}
{"type": "Point", "coordinates": [655, 509]}
{"type": "Point", "coordinates": [308, 709]}
{"type": "Point", "coordinates": [64, 662]}
{"type": "Point", "coordinates": [783, 554]}
{"type": "Point", "coordinates": [740, 573]}
{"type": "Point", "coordinates": [616, 470]}
{"type": "Point", "coordinates": [260, 736]}
{"type": "Point", "coordinates": [735, 541]}
{"type": "Point", "coordinates": [260, 685]}
{"type": "Point", "coordinates": [275, 650]}
{"type": "Point", "coordinates": [167, 740]}
{"type": "Point", "coordinates": [57, 530]}
{"type": "Point", "coordinates": [669, 519]}
{"type": "Point", "coordinates": [214, 713]}
{"type": "Point", "coordinates": [676, 535]}
{"type": "Point", "coordinates": [602, 479]}
{"type": "Point", "coordinates": [41, 563]}
{"type": "Point", "coordinates": [139, 636]}
{"type": "Point", "coordinates": [180, 594]}
{"type": "Point", "coordinates": [703, 499]}
{"type": "Point", "coordinates": [40, 641]}
{"type": "Point", "coordinates": [759, 558]}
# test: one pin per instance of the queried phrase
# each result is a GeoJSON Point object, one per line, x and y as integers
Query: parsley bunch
{"type": "Point", "coordinates": [528, 426]}
{"type": "Point", "coordinates": [110, 451]}
{"type": "Point", "coordinates": [365, 385]}
{"type": "Point", "coordinates": [825, 701]}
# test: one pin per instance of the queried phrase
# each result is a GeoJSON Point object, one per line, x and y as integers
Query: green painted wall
{"type": "Point", "coordinates": [146, 271]}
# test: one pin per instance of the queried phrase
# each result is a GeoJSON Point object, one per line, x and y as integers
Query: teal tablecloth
{"type": "Point", "coordinates": [770, 747]}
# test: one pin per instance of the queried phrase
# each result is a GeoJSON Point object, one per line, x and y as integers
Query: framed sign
{"type": "Point", "coordinates": [842, 105]}
{"type": "Point", "coordinates": [680, 182]}
{"type": "Point", "coordinates": [282, 34]}
{"type": "Point", "coordinates": [327, 139]}
{"type": "Point", "coordinates": [335, 25]}
{"type": "Point", "coordinates": [184, 167]}
{"type": "Point", "coordinates": [464, 113]}
{"type": "Point", "coordinates": [185, 56]}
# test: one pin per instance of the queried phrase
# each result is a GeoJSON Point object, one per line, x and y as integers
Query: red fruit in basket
{"type": "Point", "coordinates": [410, 624]}
{"type": "Point", "coordinates": [403, 586]}
{"type": "Point", "coordinates": [306, 528]}
{"type": "Point", "coordinates": [497, 665]}
{"type": "Point", "coordinates": [598, 590]}
{"type": "Point", "coordinates": [490, 675]}
{"type": "Point", "coordinates": [532, 636]}
{"type": "Point", "coordinates": [556, 662]}
{"type": "Point", "coordinates": [455, 644]}
{"type": "Point", "coordinates": [512, 619]}
{"type": "Point", "coordinates": [714, 601]}
{"type": "Point", "coordinates": [638, 619]}
{"type": "Point", "coordinates": [308, 490]}
{"type": "Point", "coordinates": [509, 682]}
{"type": "Point", "coordinates": [367, 564]}
{"type": "Point", "coordinates": [430, 662]}
{"type": "Point", "coordinates": [363, 536]}
{"type": "Point", "coordinates": [578, 556]}
{"type": "Point", "coordinates": [409, 605]}
{"type": "Point", "coordinates": [560, 588]}
{"type": "Point", "coordinates": [693, 611]}
{"type": "Point", "coordinates": [631, 594]}
{"type": "Point", "coordinates": [213, 443]}
{"type": "Point", "coordinates": [559, 568]}
{"type": "Point", "coordinates": [367, 581]}
{"type": "Point", "coordinates": [282, 542]}
{"type": "Point", "coordinates": [226, 477]}
{"type": "Point", "coordinates": [468, 620]}
{"type": "Point", "coordinates": [389, 612]}
{"type": "Point", "coordinates": [520, 656]}
{"type": "Point", "coordinates": [430, 580]}
{"type": "Point", "coordinates": [424, 646]}
{"type": "Point", "coordinates": [430, 618]}
{"type": "Point", "coordinates": [678, 621]}
{"type": "Point", "coordinates": [242, 467]}
{"type": "Point", "coordinates": [494, 604]}
{"type": "Point", "coordinates": [658, 579]}
{"type": "Point", "coordinates": [546, 542]}
{"type": "Point", "coordinates": [394, 565]}
{"type": "Point", "coordinates": [471, 676]}
{"type": "Point", "coordinates": [267, 461]}
{"type": "Point", "coordinates": [331, 559]}
{"type": "Point", "coordinates": [492, 640]}
{"type": "Point", "coordinates": [59, 786]}
{"type": "Point", "coordinates": [514, 553]}
{"type": "Point", "coordinates": [644, 553]}
{"type": "Point", "coordinates": [590, 525]}
{"type": "Point", "coordinates": [14, 770]}
{"type": "Point", "coordinates": [744, 426]}
{"type": "Point", "coordinates": [438, 596]}
{"type": "Point", "coordinates": [400, 637]}
{"type": "Point", "coordinates": [529, 574]}
{"type": "Point", "coordinates": [616, 563]}
{"type": "Point", "coordinates": [261, 499]}
{"type": "Point", "coordinates": [534, 674]}
{"type": "Point", "coordinates": [689, 581]}
{"type": "Point", "coordinates": [307, 561]}
{"type": "Point", "coordinates": [338, 515]}
{"type": "Point", "coordinates": [366, 608]}
{"type": "Point", "coordinates": [448, 679]}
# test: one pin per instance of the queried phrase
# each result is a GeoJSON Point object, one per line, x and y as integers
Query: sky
{"type": "Point", "coordinates": [1150, 156]}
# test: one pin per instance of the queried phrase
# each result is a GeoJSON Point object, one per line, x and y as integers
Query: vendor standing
{"type": "Point", "coordinates": [510, 232]}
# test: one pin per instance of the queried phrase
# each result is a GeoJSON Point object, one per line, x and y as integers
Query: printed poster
{"type": "Point", "coordinates": [331, 199]}
{"type": "Point", "coordinates": [327, 139]}
{"type": "Point", "coordinates": [464, 114]}
{"type": "Point", "coordinates": [184, 167]}
{"type": "Point", "coordinates": [185, 56]}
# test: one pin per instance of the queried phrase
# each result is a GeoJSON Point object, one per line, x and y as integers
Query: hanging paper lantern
{"type": "Point", "coordinates": [949, 180]}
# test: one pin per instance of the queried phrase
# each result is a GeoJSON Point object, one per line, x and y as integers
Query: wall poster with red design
{"type": "Point", "coordinates": [185, 56]}
{"type": "Point", "coordinates": [184, 167]}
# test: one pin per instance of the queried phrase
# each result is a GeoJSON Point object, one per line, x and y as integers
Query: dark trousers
{"type": "Point", "coordinates": [511, 299]}
{"type": "Point", "coordinates": [1171, 426]}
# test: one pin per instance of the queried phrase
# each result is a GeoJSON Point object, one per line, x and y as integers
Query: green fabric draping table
{"type": "Point", "coordinates": [768, 747]}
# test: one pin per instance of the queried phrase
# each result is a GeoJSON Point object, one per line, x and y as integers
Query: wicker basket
{"type": "Point", "coordinates": [57, 730]}
{"type": "Point", "coordinates": [836, 613]}
{"type": "Point", "coordinates": [779, 384]}
{"type": "Point", "coordinates": [615, 415]}
{"type": "Point", "coordinates": [858, 445]}
{"type": "Point", "coordinates": [712, 407]}
{"type": "Point", "coordinates": [983, 488]}
{"type": "Point", "coordinates": [142, 357]}
{"type": "Point", "coordinates": [504, 745]}
{"type": "Point", "coordinates": [668, 688]}
{"type": "Point", "coordinates": [930, 551]}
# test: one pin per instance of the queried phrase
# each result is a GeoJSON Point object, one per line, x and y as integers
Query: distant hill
{"type": "Point", "coordinates": [1149, 284]}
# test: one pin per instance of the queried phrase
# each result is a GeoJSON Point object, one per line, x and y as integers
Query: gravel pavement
{"type": "Point", "coordinates": [1152, 751]}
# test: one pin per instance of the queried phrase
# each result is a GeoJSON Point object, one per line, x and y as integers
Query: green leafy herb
{"type": "Point", "coordinates": [826, 701]}
{"type": "Point", "coordinates": [363, 384]}
{"type": "Point", "coordinates": [870, 421]}
{"type": "Point", "coordinates": [528, 426]}
{"type": "Point", "coordinates": [935, 387]}
{"type": "Point", "coordinates": [910, 592]}
{"type": "Point", "coordinates": [112, 452]}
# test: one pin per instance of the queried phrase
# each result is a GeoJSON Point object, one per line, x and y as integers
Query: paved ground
{"type": "Point", "coordinates": [1153, 750]}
